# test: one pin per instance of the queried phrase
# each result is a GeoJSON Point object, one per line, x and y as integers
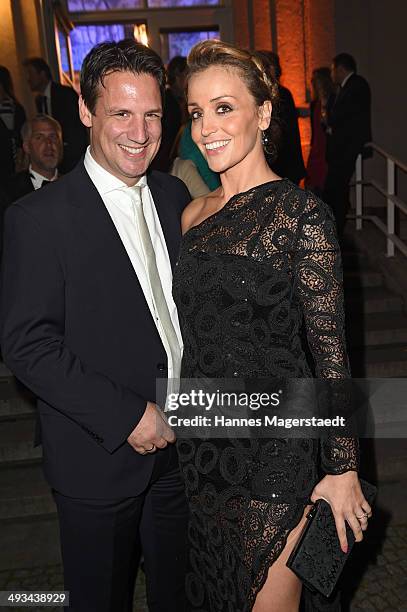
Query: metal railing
{"type": "Point", "coordinates": [392, 200]}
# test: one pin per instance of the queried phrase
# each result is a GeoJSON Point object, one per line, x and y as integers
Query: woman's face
{"type": "Point", "coordinates": [226, 122]}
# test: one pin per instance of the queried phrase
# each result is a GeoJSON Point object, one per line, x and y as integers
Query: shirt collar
{"type": "Point", "coordinates": [346, 79]}
{"type": "Point", "coordinates": [40, 177]}
{"type": "Point", "coordinates": [104, 181]}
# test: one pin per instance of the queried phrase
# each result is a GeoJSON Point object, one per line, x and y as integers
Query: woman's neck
{"type": "Point", "coordinates": [245, 176]}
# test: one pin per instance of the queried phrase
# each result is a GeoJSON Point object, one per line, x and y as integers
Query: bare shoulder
{"type": "Point", "coordinates": [197, 210]}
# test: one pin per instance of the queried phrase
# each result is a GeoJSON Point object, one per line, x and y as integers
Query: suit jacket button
{"type": "Point", "coordinates": [161, 367]}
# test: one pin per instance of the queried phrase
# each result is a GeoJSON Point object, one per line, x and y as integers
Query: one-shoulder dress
{"type": "Point", "coordinates": [249, 279]}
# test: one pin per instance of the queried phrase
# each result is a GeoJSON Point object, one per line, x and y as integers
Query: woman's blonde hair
{"type": "Point", "coordinates": [249, 65]}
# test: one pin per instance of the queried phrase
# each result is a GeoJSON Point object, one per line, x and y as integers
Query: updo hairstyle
{"type": "Point", "coordinates": [210, 53]}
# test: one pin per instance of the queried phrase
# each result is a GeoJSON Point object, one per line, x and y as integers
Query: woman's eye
{"type": "Point", "coordinates": [195, 115]}
{"type": "Point", "coordinates": [223, 109]}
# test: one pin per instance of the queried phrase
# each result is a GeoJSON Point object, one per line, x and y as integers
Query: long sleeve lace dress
{"type": "Point", "coordinates": [248, 278]}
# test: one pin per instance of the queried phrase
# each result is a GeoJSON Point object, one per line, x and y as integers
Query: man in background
{"type": "Point", "coordinates": [42, 143]}
{"type": "Point", "coordinates": [175, 112]}
{"type": "Point", "coordinates": [60, 102]}
{"type": "Point", "coordinates": [348, 130]}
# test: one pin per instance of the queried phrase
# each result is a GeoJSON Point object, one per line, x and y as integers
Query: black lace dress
{"type": "Point", "coordinates": [247, 279]}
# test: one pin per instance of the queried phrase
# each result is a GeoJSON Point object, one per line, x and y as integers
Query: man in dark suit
{"type": "Point", "coordinates": [89, 324]}
{"type": "Point", "coordinates": [42, 143]}
{"type": "Point", "coordinates": [60, 102]}
{"type": "Point", "coordinates": [348, 130]}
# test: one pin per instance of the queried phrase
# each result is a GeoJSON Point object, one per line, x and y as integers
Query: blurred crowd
{"type": "Point", "coordinates": [37, 150]}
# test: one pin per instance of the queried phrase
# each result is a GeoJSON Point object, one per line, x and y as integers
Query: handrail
{"type": "Point", "coordinates": [398, 162]}
{"type": "Point", "coordinates": [389, 192]}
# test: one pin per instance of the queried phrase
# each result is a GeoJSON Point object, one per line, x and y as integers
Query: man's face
{"type": "Point", "coordinates": [37, 81]}
{"type": "Point", "coordinates": [125, 130]}
{"type": "Point", "coordinates": [44, 147]}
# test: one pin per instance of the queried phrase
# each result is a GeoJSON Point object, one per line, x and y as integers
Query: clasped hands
{"type": "Point", "coordinates": [152, 431]}
{"type": "Point", "coordinates": [348, 504]}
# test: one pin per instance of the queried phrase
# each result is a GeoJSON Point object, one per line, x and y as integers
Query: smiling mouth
{"type": "Point", "coordinates": [218, 144]}
{"type": "Point", "coordinates": [132, 150]}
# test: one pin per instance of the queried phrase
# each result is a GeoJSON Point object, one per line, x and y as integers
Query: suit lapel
{"type": "Point", "coordinates": [95, 223]}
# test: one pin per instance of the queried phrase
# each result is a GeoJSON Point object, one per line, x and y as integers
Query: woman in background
{"type": "Point", "coordinates": [258, 256]}
{"type": "Point", "coordinates": [322, 99]}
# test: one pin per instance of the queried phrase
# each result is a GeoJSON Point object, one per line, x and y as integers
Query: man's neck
{"type": "Point", "coordinates": [48, 174]}
{"type": "Point", "coordinates": [43, 88]}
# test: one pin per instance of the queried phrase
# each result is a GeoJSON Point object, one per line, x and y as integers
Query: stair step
{"type": "Point", "coordinates": [15, 408]}
{"type": "Point", "coordinates": [24, 492]}
{"type": "Point", "coordinates": [29, 542]}
{"type": "Point", "coordinates": [372, 299]}
{"type": "Point", "coordinates": [377, 328]}
{"type": "Point", "coordinates": [17, 442]}
{"type": "Point", "coordinates": [362, 278]}
{"type": "Point", "coordinates": [387, 361]}
{"type": "Point", "coordinates": [4, 371]}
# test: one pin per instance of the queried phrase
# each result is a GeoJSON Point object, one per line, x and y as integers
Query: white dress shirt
{"type": "Point", "coordinates": [47, 94]}
{"type": "Point", "coordinates": [346, 79]}
{"type": "Point", "coordinates": [119, 205]}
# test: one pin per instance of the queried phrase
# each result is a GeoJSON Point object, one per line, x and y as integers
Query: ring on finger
{"type": "Point", "coordinates": [364, 516]}
{"type": "Point", "coordinates": [150, 450]}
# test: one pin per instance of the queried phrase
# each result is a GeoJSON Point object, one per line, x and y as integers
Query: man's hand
{"type": "Point", "coordinates": [152, 431]}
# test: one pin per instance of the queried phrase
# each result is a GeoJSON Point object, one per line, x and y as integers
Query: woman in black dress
{"type": "Point", "coordinates": [259, 256]}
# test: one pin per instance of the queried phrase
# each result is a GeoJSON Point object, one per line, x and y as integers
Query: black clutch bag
{"type": "Point", "coordinates": [317, 558]}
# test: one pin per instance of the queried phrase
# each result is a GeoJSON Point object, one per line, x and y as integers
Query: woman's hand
{"type": "Point", "coordinates": [344, 495]}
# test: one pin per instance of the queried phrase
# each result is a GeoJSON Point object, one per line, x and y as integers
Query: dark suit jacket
{"type": "Point", "coordinates": [77, 331]}
{"type": "Point", "coordinates": [64, 103]}
{"type": "Point", "coordinates": [350, 122]}
{"type": "Point", "coordinates": [20, 185]}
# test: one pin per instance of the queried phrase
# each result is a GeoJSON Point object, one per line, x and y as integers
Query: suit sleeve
{"type": "Point", "coordinates": [33, 339]}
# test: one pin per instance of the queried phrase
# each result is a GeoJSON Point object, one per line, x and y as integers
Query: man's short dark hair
{"type": "Point", "coordinates": [176, 66]}
{"type": "Point", "coordinates": [124, 56]}
{"type": "Point", "coordinates": [346, 61]}
{"type": "Point", "coordinates": [39, 64]}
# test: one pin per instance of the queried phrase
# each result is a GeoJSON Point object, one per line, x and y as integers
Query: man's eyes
{"type": "Point", "coordinates": [126, 115]}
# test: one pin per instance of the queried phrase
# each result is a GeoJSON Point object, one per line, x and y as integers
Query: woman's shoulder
{"type": "Point", "coordinates": [195, 211]}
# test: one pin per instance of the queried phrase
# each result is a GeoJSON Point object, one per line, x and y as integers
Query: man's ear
{"type": "Point", "coordinates": [26, 147]}
{"type": "Point", "coordinates": [265, 114]}
{"type": "Point", "coordinates": [84, 113]}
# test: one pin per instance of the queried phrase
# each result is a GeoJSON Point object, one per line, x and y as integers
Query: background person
{"type": "Point", "coordinates": [285, 158]}
{"type": "Point", "coordinates": [322, 99]}
{"type": "Point", "coordinates": [12, 117]}
{"type": "Point", "coordinates": [349, 129]}
{"type": "Point", "coordinates": [61, 103]}
{"type": "Point", "coordinates": [175, 114]}
{"type": "Point", "coordinates": [42, 143]}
